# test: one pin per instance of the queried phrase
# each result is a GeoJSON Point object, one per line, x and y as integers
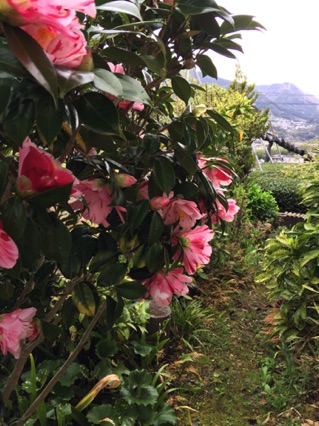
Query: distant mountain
{"type": "Point", "coordinates": [293, 113]}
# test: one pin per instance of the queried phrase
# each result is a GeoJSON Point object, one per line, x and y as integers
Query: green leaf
{"type": "Point", "coordinates": [181, 88]}
{"type": "Point", "coordinates": [310, 255]}
{"type": "Point", "coordinates": [5, 90]}
{"type": "Point", "coordinates": [164, 174]}
{"type": "Point", "coordinates": [112, 275]}
{"type": "Point", "coordinates": [123, 56]}
{"type": "Point", "coordinates": [107, 82]}
{"type": "Point", "coordinates": [156, 229]}
{"type": "Point", "coordinates": [9, 65]}
{"type": "Point", "coordinates": [151, 143]}
{"type": "Point", "coordinates": [186, 161]}
{"type": "Point", "coordinates": [220, 120]}
{"type": "Point", "coordinates": [51, 197]}
{"type": "Point", "coordinates": [56, 240]}
{"type": "Point", "coordinates": [192, 7]}
{"type": "Point", "coordinates": [98, 113]}
{"type": "Point", "coordinates": [83, 298]}
{"type": "Point", "coordinates": [240, 23]}
{"type": "Point", "coordinates": [131, 290]}
{"type": "Point", "coordinates": [121, 7]}
{"type": "Point", "coordinates": [49, 118]}
{"type": "Point", "coordinates": [14, 217]}
{"type": "Point", "coordinates": [144, 395]}
{"type": "Point", "coordinates": [206, 65]}
{"type": "Point", "coordinates": [69, 79]}
{"type": "Point", "coordinates": [29, 245]}
{"type": "Point", "coordinates": [71, 375]}
{"type": "Point", "coordinates": [137, 213]}
{"type": "Point", "coordinates": [155, 257]}
{"type": "Point", "coordinates": [50, 331]}
{"type": "Point", "coordinates": [133, 90]}
{"type": "Point", "coordinates": [97, 415]}
{"type": "Point", "coordinates": [113, 310]}
{"type": "Point", "coordinates": [106, 348]}
{"type": "Point", "coordinates": [18, 118]}
{"type": "Point", "coordinates": [33, 58]}
{"type": "Point", "coordinates": [101, 258]}
{"type": "Point", "coordinates": [157, 63]}
{"type": "Point", "coordinates": [3, 176]}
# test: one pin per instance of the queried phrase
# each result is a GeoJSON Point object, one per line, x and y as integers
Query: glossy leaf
{"type": "Point", "coordinates": [98, 113]}
{"type": "Point", "coordinates": [51, 196]}
{"type": "Point", "coordinates": [155, 257]}
{"type": "Point", "coordinates": [83, 298]}
{"type": "Point", "coordinates": [3, 176]}
{"type": "Point", "coordinates": [163, 174]}
{"type": "Point", "coordinates": [9, 65]}
{"type": "Point", "coordinates": [5, 90]}
{"type": "Point", "coordinates": [220, 120]}
{"type": "Point", "coordinates": [33, 58]}
{"type": "Point", "coordinates": [69, 79]}
{"type": "Point", "coordinates": [48, 118]}
{"type": "Point", "coordinates": [181, 88]}
{"type": "Point", "coordinates": [121, 7]}
{"type": "Point", "coordinates": [29, 245]}
{"type": "Point", "coordinates": [156, 228]}
{"type": "Point", "coordinates": [56, 239]}
{"type": "Point", "coordinates": [107, 82]}
{"type": "Point", "coordinates": [14, 217]}
{"type": "Point", "coordinates": [123, 56]}
{"type": "Point", "coordinates": [206, 65]}
{"type": "Point", "coordinates": [132, 290]}
{"type": "Point", "coordinates": [186, 161]}
{"type": "Point", "coordinates": [191, 7]}
{"type": "Point", "coordinates": [112, 275]}
{"type": "Point", "coordinates": [137, 213]}
{"type": "Point", "coordinates": [133, 90]}
{"type": "Point", "coordinates": [18, 119]}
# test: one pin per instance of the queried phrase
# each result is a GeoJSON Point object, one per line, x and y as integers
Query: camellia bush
{"type": "Point", "coordinates": [106, 197]}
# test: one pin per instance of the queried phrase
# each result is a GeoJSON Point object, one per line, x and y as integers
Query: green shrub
{"type": "Point", "coordinates": [261, 204]}
{"type": "Point", "coordinates": [285, 182]}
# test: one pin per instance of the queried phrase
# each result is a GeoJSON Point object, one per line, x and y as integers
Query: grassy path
{"type": "Point", "coordinates": [237, 381]}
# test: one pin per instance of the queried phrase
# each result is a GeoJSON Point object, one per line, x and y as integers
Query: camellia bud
{"type": "Point", "coordinates": [87, 63]}
{"type": "Point", "coordinates": [189, 63]}
{"type": "Point", "coordinates": [199, 110]}
{"type": "Point", "coordinates": [124, 180]}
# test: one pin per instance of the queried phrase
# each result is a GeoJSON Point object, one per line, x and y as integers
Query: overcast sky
{"type": "Point", "coordinates": [288, 51]}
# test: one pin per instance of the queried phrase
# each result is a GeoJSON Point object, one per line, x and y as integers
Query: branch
{"type": "Point", "coordinates": [64, 367]}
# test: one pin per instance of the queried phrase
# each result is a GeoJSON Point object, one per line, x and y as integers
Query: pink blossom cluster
{"type": "Point", "coordinates": [15, 327]}
{"type": "Point", "coordinates": [190, 237]}
{"type": "Point", "coordinates": [53, 24]}
{"type": "Point", "coordinates": [39, 172]}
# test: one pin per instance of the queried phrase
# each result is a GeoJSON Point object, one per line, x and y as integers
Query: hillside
{"type": "Point", "coordinates": [294, 114]}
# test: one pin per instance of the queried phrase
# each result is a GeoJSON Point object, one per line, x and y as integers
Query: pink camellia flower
{"type": "Point", "coordinates": [65, 50]}
{"type": "Point", "coordinates": [39, 171]}
{"type": "Point", "coordinates": [227, 215]}
{"type": "Point", "coordinates": [98, 199]}
{"type": "Point", "coordinates": [159, 203]}
{"type": "Point", "coordinates": [138, 106]}
{"type": "Point", "coordinates": [8, 250]}
{"type": "Point", "coordinates": [184, 212]}
{"type": "Point", "coordinates": [14, 327]}
{"type": "Point", "coordinates": [194, 249]}
{"type": "Point", "coordinates": [124, 180]}
{"type": "Point", "coordinates": [163, 285]}
{"type": "Point", "coordinates": [215, 173]}
{"type": "Point", "coordinates": [56, 13]}
{"type": "Point", "coordinates": [53, 24]}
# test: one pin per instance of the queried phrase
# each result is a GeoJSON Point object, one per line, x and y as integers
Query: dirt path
{"type": "Point", "coordinates": [238, 382]}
